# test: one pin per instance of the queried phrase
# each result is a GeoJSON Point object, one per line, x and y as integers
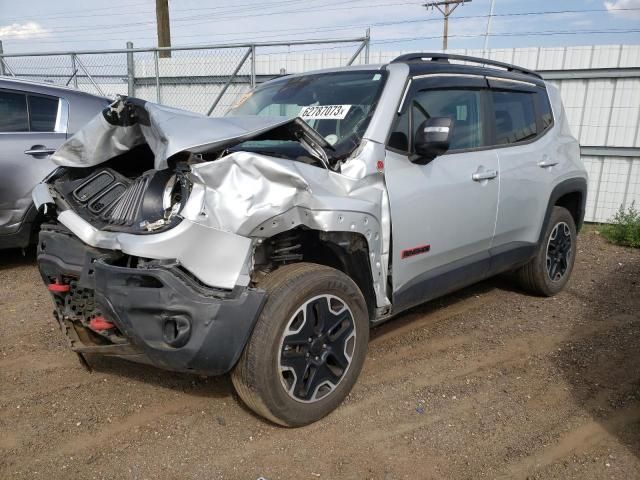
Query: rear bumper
{"type": "Point", "coordinates": [163, 316]}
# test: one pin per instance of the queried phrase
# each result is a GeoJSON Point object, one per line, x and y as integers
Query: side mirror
{"type": "Point", "coordinates": [432, 138]}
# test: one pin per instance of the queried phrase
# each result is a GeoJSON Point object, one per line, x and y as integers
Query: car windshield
{"type": "Point", "coordinates": [338, 105]}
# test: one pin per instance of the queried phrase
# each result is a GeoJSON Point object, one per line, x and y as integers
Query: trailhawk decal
{"type": "Point", "coordinates": [324, 112]}
{"type": "Point", "coordinates": [410, 252]}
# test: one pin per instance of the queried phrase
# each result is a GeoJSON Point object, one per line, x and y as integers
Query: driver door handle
{"type": "Point", "coordinates": [484, 175]}
{"type": "Point", "coordinates": [40, 151]}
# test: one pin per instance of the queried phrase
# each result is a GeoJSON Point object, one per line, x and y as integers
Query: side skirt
{"type": "Point", "coordinates": [467, 271]}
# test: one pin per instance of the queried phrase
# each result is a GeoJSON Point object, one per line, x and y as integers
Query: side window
{"type": "Point", "coordinates": [544, 107]}
{"type": "Point", "coordinates": [13, 112]}
{"type": "Point", "coordinates": [461, 105]}
{"type": "Point", "coordinates": [43, 113]}
{"type": "Point", "coordinates": [515, 116]}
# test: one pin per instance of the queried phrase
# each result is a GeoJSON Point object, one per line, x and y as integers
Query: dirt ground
{"type": "Point", "coordinates": [485, 383]}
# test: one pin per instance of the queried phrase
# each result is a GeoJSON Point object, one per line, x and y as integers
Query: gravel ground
{"type": "Point", "coordinates": [484, 383]}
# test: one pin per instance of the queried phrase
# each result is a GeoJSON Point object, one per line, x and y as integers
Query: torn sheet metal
{"type": "Point", "coordinates": [167, 131]}
{"type": "Point", "coordinates": [258, 196]}
{"type": "Point", "coordinates": [245, 194]}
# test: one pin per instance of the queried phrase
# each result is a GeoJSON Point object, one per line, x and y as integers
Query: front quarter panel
{"type": "Point", "coordinates": [256, 196]}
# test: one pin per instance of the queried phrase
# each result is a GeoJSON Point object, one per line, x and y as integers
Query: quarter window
{"type": "Point", "coordinates": [546, 115]}
{"type": "Point", "coordinates": [43, 113]}
{"type": "Point", "coordinates": [13, 112]}
{"type": "Point", "coordinates": [515, 116]}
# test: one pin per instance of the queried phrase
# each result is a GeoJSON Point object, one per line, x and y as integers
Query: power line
{"type": "Point", "coordinates": [124, 27]}
{"type": "Point", "coordinates": [65, 14]}
{"type": "Point", "coordinates": [364, 24]}
{"type": "Point", "coordinates": [513, 34]}
{"type": "Point", "coordinates": [376, 24]}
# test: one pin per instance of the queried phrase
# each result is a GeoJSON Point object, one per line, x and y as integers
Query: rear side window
{"type": "Point", "coordinates": [13, 112]}
{"type": "Point", "coordinates": [43, 113]}
{"type": "Point", "coordinates": [515, 116]}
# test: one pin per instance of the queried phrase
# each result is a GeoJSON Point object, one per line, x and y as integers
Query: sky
{"type": "Point", "coordinates": [65, 25]}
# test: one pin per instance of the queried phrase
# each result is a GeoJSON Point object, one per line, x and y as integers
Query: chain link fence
{"type": "Point", "coordinates": [204, 79]}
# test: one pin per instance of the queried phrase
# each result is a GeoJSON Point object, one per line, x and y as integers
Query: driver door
{"type": "Point", "coordinates": [443, 216]}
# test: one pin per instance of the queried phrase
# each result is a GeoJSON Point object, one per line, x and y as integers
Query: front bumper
{"type": "Point", "coordinates": [220, 260]}
{"type": "Point", "coordinates": [161, 314]}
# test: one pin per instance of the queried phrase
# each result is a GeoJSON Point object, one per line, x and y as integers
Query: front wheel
{"type": "Point", "coordinates": [308, 346]}
{"type": "Point", "coordinates": [549, 271]}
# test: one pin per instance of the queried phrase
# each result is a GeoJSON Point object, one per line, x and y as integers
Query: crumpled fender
{"type": "Point", "coordinates": [258, 196]}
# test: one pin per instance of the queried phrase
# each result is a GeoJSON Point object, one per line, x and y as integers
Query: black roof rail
{"type": "Point", "coordinates": [445, 57]}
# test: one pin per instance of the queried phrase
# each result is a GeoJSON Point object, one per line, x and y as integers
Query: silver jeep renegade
{"type": "Point", "coordinates": [267, 242]}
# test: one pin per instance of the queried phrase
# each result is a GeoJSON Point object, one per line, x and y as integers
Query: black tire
{"type": "Point", "coordinates": [536, 276]}
{"type": "Point", "coordinates": [259, 378]}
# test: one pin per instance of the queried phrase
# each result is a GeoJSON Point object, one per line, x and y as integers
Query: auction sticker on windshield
{"type": "Point", "coordinates": [324, 112]}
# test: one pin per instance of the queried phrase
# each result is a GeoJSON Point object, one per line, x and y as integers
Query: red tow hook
{"type": "Point", "coordinates": [99, 324]}
{"type": "Point", "coordinates": [58, 287]}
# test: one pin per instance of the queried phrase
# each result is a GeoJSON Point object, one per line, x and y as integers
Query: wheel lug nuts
{"type": "Point", "coordinates": [317, 358]}
{"type": "Point", "coordinates": [310, 339]}
{"type": "Point", "coordinates": [324, 345]}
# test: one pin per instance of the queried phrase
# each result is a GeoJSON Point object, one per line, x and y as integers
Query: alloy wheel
{"type": "Point", "coordinates": [316, 348]}
{"type": "Point", "coordinates": [559, 250]}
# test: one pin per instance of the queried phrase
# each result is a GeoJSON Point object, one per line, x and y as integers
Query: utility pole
{"type": "Point", "coordinates": [2, 72]}
{"type": "Point", "coordinates": [486, 35]}
{"type": "Point", "coordinates": [164, 32]}
{"type": "Point", "coordinates": [448, 10]}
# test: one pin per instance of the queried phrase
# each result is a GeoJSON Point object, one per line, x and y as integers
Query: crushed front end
{"type": "Point", "coordinates": [132, 277]}
{"type": "Point", "coordinates": [160, 225]}
{"type": "Point", "coordinates": [144, 305]}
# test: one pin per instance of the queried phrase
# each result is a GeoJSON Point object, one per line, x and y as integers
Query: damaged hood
{"type": "Point", "coordinates": [130, 122]}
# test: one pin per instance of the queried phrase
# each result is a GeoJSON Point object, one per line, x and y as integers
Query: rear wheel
{"type": "Point", "coordinates": [549, 271]}
{"type": "Point", "coordinates": [308, 346]}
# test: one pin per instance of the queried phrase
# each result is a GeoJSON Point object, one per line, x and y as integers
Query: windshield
{"type": "Point", "coordinates": [338, 105]}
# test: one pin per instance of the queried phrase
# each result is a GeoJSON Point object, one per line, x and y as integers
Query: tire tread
{"type": "Point", "coordinates": [276, 284]}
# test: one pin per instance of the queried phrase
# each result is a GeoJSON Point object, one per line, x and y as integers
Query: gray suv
{"type": "Point", "coordinates": [266, 243]}
{"type": "Point", "coordinates": [35, 118]}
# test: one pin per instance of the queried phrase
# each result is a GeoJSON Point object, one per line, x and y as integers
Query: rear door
{"type": "Point", "coordinates": [32, 127]}
{"type": "Point", "coordinates": [443, 216]}
{"type": "Point", "coordinates": [522, 116]}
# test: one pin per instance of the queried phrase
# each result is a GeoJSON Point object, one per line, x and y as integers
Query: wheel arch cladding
{"type": "Point", "coordinates": [570, 194]}
{"type": "Point", "coordinates": [347, 252]}
{"type": "Point", "coordinates": [574, 202]}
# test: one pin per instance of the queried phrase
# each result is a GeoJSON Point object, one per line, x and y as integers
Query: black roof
{"type": "Point", "coordinates": [423, 63]}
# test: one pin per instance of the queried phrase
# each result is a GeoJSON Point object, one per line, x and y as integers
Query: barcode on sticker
{"type": "Point", "coordinates": [325, 112]}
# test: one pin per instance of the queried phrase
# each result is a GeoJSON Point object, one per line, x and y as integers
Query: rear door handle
{"type": "Point", "coordinates": [39, 151]}
{"type": "Point", "coordinates": [547, 163]}
{"type": "Point", "coordinates": [484, 175]}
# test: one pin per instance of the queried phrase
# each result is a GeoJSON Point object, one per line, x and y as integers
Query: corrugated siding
{"type": "Point", "coordinates": [602, 112]}
{"type": "Point", "coordinates": [613, 181]}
